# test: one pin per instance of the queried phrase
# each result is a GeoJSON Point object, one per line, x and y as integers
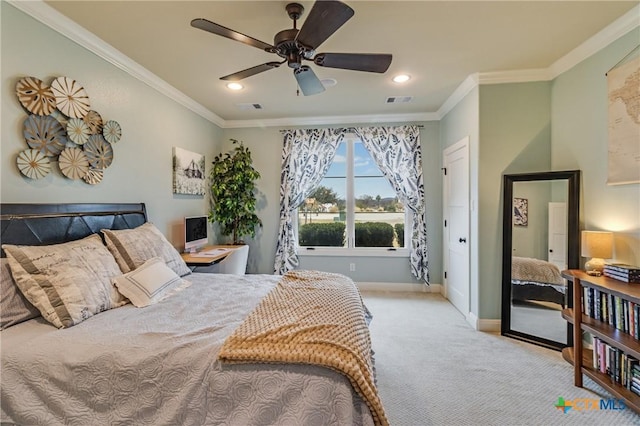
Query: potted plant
{"type": "Point", "coordinates": [233, 199]}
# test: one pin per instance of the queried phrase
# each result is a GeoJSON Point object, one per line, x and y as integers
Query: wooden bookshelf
{"type": "Point", "coordinates": [631, 399]}
{"type": "Point", "coordinates": [582, 358]}
{"type": "Point", "coordinates": [606, 332]}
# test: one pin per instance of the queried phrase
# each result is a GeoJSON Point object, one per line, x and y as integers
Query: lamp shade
{"type": "Point", "coordinates": [597, 244]}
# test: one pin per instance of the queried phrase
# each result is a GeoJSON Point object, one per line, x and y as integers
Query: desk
{"type": "Point", "coordinates": [192, 260]}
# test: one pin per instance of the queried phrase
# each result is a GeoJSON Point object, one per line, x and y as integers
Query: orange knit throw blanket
{"type": "Point", "coordinates": [311, 317]}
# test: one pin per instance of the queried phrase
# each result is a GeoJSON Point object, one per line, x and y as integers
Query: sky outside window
{"type": "Point", "coordinates": [368, 177]}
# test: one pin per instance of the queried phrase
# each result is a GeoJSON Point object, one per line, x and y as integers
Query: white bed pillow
{"type": "Point", "coordinates": [68, 282]}
{"type": "Point", "coordinates": [133, 247]}
{"type": "Point", "coordinates": [14, 307]}
{"type": "Point", "coordinates": [150, 283]}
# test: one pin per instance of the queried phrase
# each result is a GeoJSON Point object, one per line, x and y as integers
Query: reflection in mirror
{"type": "Point", "coordinates": [540, 231]}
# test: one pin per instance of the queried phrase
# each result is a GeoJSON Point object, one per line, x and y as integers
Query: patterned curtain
{"type": "Point", "coordinates": [306, 158]}
{"type": "Point", "coordinates": [396, 151]}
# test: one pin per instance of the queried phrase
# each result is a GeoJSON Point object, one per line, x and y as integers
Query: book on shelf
{"type": "Point", "coordinates": [626, 273]}
{"type": "Point", "coordinates": [622, 267]}
{"type": "Point", "coordinates": [621, 367]}
{"type": "Point", "coordinates": [613, 310]}
{"type": "Point", "coordinates": [623, 278]}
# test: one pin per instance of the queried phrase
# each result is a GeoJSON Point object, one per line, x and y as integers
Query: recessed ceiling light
{"type": "Point", "coordinates": [329, 82]}
{"type": "Point", "coordinates": [235, 86]}
{"type": "Point", "coordinates": [401, 78]}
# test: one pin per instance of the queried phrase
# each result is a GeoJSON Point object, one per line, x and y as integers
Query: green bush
{"type": "Point", "coordinates": [374, 234]}
{"type": "Point", "coordinates": [399, 227]}
{"type": "Point", "coordinates": [322, 234]}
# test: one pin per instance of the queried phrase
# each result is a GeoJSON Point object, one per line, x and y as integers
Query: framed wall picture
{"type": "Point", "coordinates": [188, 172]}
{"type": "Point", "coordinates": [520, 212]}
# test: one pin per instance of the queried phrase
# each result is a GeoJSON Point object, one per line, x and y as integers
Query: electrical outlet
{"type": "Point", "coordinates": [352, 267]}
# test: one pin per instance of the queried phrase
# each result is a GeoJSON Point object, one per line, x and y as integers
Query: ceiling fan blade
{"type": "Point", "coordinates": [237, 76]}
{"type": "Point", "coordinates": [308, 81]}
{"type": "Point", "coordinates": [324, 19]}
{"type": "Point", "coordinates": [214, 28]}
{"type": "Point", "coordinates": [371, 62]}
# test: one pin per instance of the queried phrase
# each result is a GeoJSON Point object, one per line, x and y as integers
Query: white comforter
{"type": "Point", "coordinates": [158, 366]}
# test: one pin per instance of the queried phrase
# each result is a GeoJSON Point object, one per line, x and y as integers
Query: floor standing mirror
{"type": "Point", "coordinates": [540, 239]}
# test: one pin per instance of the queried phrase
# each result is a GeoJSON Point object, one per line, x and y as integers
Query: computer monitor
{"type": "Point", "coordinates": [195, 233]}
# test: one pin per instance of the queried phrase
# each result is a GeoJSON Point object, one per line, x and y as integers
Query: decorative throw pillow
{"type": "Point", "coordinates": [150, 283]}
{"type": "Point", "coordinates": [133, 247]}
{"type": "Point", "coordinates": [14, 307]}
{"type": "Point", "coordinates": [68, 282]}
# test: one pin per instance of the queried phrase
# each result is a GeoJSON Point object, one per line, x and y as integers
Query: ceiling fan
{"type": "Point", "coordinates": [296, 45]}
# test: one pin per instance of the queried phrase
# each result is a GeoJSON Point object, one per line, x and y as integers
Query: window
{"type": "Point", "coordinates": [354, 207]}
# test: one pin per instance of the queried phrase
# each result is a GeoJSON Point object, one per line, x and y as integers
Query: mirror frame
{"type": "Point", "coordinates": [573, 247]}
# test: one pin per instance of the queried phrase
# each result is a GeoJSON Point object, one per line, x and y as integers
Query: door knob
{"type": "Point", "coordinates": [462, 240]}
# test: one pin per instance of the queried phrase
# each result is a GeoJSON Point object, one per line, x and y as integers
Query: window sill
{"type": "Point", "coordinates": [360, 252]}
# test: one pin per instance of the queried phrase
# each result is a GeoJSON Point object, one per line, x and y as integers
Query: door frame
{"type": "Point", "coordinates": [462, 144]}
{"type": "Point", "coordinates": [551, 208]}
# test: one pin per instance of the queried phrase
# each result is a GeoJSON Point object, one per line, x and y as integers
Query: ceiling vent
{"type": "Point", "coordinates": [249, 106]}
{"type": "Point", "coordinates": [399, 99]}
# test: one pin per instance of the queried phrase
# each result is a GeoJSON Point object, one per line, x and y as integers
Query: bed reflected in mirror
{"type": "Point", "coordinates": [540, 239]}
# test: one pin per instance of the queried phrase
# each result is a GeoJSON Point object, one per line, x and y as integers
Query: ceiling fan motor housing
{"type": "Point", "coordinates": [287, 47]}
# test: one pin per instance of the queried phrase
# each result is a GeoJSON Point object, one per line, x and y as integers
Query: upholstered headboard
{"type": "Point", "coordinates": [42, 224]}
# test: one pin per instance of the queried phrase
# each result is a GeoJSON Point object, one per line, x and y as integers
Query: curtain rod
{"type": "Point", "coordinates": [350, 129]}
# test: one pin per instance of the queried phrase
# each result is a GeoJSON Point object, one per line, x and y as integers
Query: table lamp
{"type": "Point", "coordinates": [597, 245]}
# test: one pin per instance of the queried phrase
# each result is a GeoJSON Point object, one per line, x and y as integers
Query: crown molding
{"type": "Point", "coordinates": [467, 85]}
{"type": "Point", "coordinates": [599, 41]}
{"type": "Point", "coordinates": [336, 119]}
{"type": "Point", "coordinates": [516, 76]}
{"type": "Point", "coordinates": [50, 17]}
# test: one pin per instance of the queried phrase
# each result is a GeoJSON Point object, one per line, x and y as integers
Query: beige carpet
{"type": "Point", "coordinates": [434, 369]}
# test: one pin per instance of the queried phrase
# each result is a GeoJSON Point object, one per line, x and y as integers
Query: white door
{"type": "Point", "coordinates": [557, 253]}
{"type": "Point", "coordinates": [456, 230]}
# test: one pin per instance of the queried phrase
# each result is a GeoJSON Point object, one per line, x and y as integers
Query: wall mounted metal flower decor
{"type": "Point", "coordinates": [62, 126]}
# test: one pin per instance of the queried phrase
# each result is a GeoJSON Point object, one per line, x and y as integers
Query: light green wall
{"type": "Point", "coordinates": [509, 132]}
{"type": "Point", "coordinates": [266, 148]}
{"type": "Point", "coordinates": [540, 126]}
{"type": "Point", "coordinates": [515, 137]}
{"type": "Point", "coordinates": [579, 141]}
{"type": "Point", "coordinates": [151, 123]}
{"type": "Point", "coordinates": [464, 120]}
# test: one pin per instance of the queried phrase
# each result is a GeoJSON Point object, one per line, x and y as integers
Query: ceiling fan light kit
{"type": "Point", "coordinates": [295, 46]}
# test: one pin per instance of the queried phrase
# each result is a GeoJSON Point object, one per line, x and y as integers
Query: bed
{"type": "Point", "coordinates": [536, 280]}
{"type": "Point", "coordinates": [188, 358]}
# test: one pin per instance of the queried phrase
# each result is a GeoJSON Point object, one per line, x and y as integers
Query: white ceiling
{"type": "Point", "coordinates": [439, 43]}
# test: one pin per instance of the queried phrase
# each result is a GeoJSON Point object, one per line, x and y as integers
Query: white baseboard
{"type": "Point", "coordinates": [404, 287]}
{"type": "Point", "coordinates": [488, 325]}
